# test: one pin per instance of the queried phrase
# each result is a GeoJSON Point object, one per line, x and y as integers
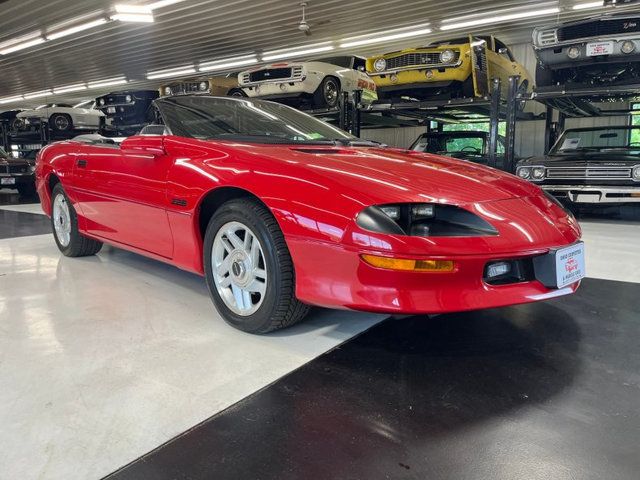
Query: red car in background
{"type": "Point", "coordinates": [280, 211]}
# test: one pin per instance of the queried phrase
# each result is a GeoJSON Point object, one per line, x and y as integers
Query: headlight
{"type": "Point", "coordinates": [635, 173]}
{"type": "Point", "coordinates": [101, 101]}
{"type": "Point", "coordinates": [574, 52]}
{"type": "Point", "coordinates": [423, 220]}
{"type": "Point", "coordinates": [524, 172]}
{"type": "Point", "coordinates": [380, 65]}
{"type": "Point", "coordinates": [204, 86]}
{"type": "Point", "coordinates": [628, 46]}
{"type": "Point", "coordinates": [538, 173]}
{"type": "Point", "coordinates": [32, 168]}
{"type": "Point", "coordinates": [447, 56]}
{"type": "Point", "coordinates": [167, 91]}
{"type": "Point", "coordinates": [128, 98]}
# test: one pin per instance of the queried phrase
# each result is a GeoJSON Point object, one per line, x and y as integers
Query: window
{"type": "Point", "coordinates": [359, 63]}
{"type": "Point", "coordinates": [465, 144]}
{"type": "Point", "coordinates": [344, 62]}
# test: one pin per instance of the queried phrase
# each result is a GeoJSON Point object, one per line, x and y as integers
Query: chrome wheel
{"type": "Point", "coordinates": [61, 122]}
{"type": "Point", "coordinates": [239, 268]}
{"type": "Point", "coordinates": [331, 91]}
{"type": "Point", "coordinates": [62, 220]}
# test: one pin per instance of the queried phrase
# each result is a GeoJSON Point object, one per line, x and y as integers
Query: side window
{"type": "Point", "coordinates": [468, 144]}
{"type": "Point", "coordinates": [359, 63]}
{"type": "Point", "coordinates": [502, 50]}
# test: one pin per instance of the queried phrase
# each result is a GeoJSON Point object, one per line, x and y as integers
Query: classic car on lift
{"type": "Point", "coordinates": [17, 173]}
{"type": "Point", "coordinates": [61, 117]}
{"type": "Point", "coordinates": [599, 165]}
{"type": "Point", "coordinates": [8, 118]}
{"type": "Point", "coordinates": [598, 50]}
{"type": "Point", "coordinates": [318, 81]}
{"type": "Point", "coordinates": [220, 85]}
{"type": "Point", "coordinates": [279, 211]}
{"type": "Point", "coordinates": [127, 111]}
{"type": "Point", "coordinates": [471, 145]}
{"type": "Point", "coordinates": [460, 67]}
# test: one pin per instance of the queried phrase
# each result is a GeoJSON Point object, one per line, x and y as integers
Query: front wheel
{"type": "Point", "coordinates": [328, 93]}
{"type": "Point", "coordinates": [60, 122]}
{"type": "Point", "coordinates": [249, 270]}
{"type": "Point", "coordinates": [65, 227]}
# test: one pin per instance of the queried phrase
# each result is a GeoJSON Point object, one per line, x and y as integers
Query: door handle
{"type": "Point", "coordinates": [81, 163]}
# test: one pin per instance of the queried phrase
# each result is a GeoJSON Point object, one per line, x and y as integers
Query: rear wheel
{"type": "Point", "coordinates": [236, 92]}
{"type": "Point", "coordinates": [65, 227]}
{"type": "Point", "coordinates": [248, 269]}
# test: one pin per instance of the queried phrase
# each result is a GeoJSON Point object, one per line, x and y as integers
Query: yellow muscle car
{"type": "Point", "coordinates": [461, 67]}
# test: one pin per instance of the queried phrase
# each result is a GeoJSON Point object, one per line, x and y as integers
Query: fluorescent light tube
{"type": "Point", "coordinates": [296, 52]}
{"type": "Point", "coordinates": [491, 17]}
{"type": "Point", "coordinates": [109, 82]}
{"type": "Point", "coordinates": [162, 3]}
{"type": "Point", "coordinates": [378, 38]}
{"type": "Point", "coordinates": [22, 45]}
{"type": "Point", "coordinates": [227, 63]}
{"type": "Point", "coordinates": [76, 29]}
{"type": "Point", "coordinates": [42, 93]}
{"type": "Point", "coordinates": [133, 17]}
{"type": "Point", "coordinates": [11, 99]}
{"type": "Point", "coordinates": [122, 8]}
{"type": "Point", "coordinates": [170, 72]}
{"type": "Point", "coordinates": [583, 6]}
{"type": "Point", "coordinates": [70, 88]}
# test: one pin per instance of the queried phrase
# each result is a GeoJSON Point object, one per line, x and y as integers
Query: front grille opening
{"type": "Point", "coordinates": [520, 270]}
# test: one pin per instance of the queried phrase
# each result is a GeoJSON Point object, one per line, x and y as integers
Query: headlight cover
{"type": "Point", "coordinates": [128, 98]}
{"type": "Point", "coordinates": [447, 56]}
{"type": "Point", "coordinates": [380, 65]}
{"type": "Point", "coordinates": [204, 86]}
{"type": "Point", "coordinates": [534, 173]}
{"type": "Point", "coordinates": [635, 173]}
{"type": "Point", "coordinates": [423, 220]}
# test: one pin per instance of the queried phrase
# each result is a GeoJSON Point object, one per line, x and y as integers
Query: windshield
{"type": "Point", "coordinates": [256, 121]}
{"type": "Point", "coordinates": [598, 140]}
{"type": "Point", "coordinates": [442, 144]}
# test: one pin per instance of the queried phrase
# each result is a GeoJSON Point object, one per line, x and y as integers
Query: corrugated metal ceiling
{"type": "Point", "coordinates": [196, 30]}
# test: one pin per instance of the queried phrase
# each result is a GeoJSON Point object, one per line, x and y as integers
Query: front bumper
{"type": "Point", "coordinates": [418, 76]}
{"type": "Point", "coordinates": [276, 89]}
{"type": "Point", "coordinates": [556, 56]}
{"type": "Point", "coordinates": [16, 179]}
{"type": "Point", "coordinates": [347, 282]}
{"type": "Point", "coordinates": [594, 194]}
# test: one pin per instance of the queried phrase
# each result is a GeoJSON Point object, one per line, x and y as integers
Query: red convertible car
{"type": "Point", "coordinates": [280, 211]}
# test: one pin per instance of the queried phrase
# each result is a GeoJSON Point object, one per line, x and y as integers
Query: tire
{"type": "Point", "coordinates": [76, 245]}
{"type": "Point", "coordinates": [276, 306]}
{"type": "Point", "coordinates": [60, 122]}
{"type": "Point", "coordinates": [236, 92]}
{"type": "Point", "coordinates": [26, 190]}
{"type": "Point", "coordinates": [328, 93]}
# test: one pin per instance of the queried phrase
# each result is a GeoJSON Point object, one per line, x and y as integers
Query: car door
{"type": "Point", "coordinates": [122, 196]}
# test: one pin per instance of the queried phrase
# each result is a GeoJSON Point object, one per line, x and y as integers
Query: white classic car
{"type": "Point", "coordinates": [320, 80]}
{"type": "Point", "coordinates": [61, 118]}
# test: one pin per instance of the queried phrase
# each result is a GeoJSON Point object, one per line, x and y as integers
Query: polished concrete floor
{"type": "Point", "coordinates": [103, 359]}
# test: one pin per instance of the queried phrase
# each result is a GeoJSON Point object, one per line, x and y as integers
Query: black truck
{"type": "Point", "coordinates": [128, 110]}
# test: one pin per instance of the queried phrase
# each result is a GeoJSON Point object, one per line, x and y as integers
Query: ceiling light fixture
{"type": "Point", "coordinates": [133, 17]}
{"type": "Point", "coordinates": [122, 8]}
{"type": "Point", "coordinates": [70, 88]}
{"type": "Point", "coordinates": [372, 38]}
{"type": "Point", "coordinates": [11, 99]}
{"type": "Point", "coordinates": [162, 3]}
{"type": "Point", "coordinates": [583, 6]}
{"type": "Point", "coordinates": [21, 45]}
{"type": "Point", "coordinates": [296, 52]}
{"type": "Point", "coordinates": [171, 72]}
{"type": "Point", "coordinates": [227, 63]}
{"type": "Point", "coordinates": [76, 29]}
{"type": "Point", "coordinates": [42, 93]}
{"type": "Point", "coordinates": [495, 17]}
{"type": "Point", "coordinates": [109, 82]}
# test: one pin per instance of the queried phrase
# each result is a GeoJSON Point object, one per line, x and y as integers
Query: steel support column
{"type": "Point", "coordinates": [512, 109]}
{"type": "Point", "coordinates": [494, 124]}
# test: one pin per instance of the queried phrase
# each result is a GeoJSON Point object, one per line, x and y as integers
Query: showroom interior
{"type": "Point", "coordinates": [319, 239]}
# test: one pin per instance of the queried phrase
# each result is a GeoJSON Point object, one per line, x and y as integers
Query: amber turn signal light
{"type": "Point", "coordinates": [407, 265]}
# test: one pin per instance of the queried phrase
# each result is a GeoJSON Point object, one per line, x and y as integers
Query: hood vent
{"type": "Point", "coordinates": [320, 151]}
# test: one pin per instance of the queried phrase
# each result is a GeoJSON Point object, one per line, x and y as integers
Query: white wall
{"type": "Point", "coordinates": [529, 134]}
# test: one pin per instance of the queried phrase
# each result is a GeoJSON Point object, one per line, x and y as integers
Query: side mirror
{"type": "Point", "coordinates": [503, 51]}
{"type": "Point", "coordinates": [154, 129]}
{"type": "Point", "coordinates": [138, 145]}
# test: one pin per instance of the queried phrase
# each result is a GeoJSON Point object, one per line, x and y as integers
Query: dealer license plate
{"type": "Point", "coordinates": [599, 48]}
{"type": "Point", "coordinates": [570, 264]}
{"type": "Point", "coordinates": [111, 109]}
{"type": "Point", "coordinates": [7, 181]}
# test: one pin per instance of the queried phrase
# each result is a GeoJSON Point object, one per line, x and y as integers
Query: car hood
{"type": "Point", "coordinates": [394, 175]}
{"type": "Point", "coordinates": [585, 159]}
